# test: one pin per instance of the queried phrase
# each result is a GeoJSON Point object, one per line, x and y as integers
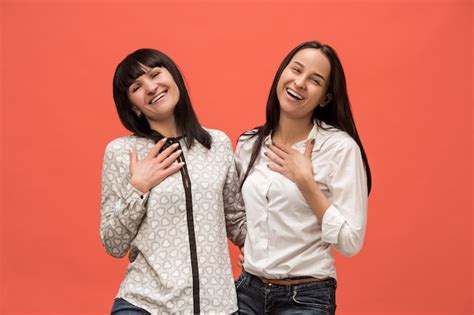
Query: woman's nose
{"type": "Point", "coordinates": [151, 86]}
{"type": "Point", "coordinates": [299, 82]}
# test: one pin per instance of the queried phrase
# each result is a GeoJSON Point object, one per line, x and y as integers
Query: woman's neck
{"type": "Point", "coordinates": [291, 131]}
{"type": "Point", "coordinates": [165, 127]}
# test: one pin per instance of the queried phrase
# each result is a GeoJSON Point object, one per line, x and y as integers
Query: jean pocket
{"type": "Point", "coordinates": [318, 298]}
{"type": "Point", "coordinates": [240, 280]}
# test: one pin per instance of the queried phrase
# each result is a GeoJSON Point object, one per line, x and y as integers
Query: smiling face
{"type": "Point", "coordinates": [154, 94]}
{"type": "Point", "coordinates": [303, 84]}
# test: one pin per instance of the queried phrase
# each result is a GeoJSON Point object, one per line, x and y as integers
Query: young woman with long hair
{"type": "Point", "coordinates": [305, 183]}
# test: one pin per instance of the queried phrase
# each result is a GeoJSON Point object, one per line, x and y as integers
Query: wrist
{"type": "Point", "coordinates": [139, 186]}
{"type": "Point", "coordinates": [307, 183]}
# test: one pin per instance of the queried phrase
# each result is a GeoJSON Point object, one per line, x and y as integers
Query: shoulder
{"type": "Point", "coordinates": [340, 139]}
{"type": "Point", "coordinates": [247, 139]}
{"type": "Point", "coordinates": [218, 136]}
{"type": "Point", "coordinates": [117, 151]}
{"type": "Point", "coordinates": [124, 144]}
{"type": "Point", "coordinates": [118, 144]}
{"type": "Point", "coordinates": [337, 141]}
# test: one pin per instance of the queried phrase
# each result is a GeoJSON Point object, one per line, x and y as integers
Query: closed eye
{"type": "Point", "coordinates": [296, 70]}
{"type": "Point", "coordinates": [135, 88]}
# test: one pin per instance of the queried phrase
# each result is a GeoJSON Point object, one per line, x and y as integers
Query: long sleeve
{"type": "Point", "coordinates": [345, 220]}
{"type": "Point", "coordinates": [122, 206]}
{"type": "Point", "coordinates": [236, 223]}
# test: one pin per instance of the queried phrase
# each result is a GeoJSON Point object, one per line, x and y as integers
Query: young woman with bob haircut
{"type": "Point", "coordinates": [170, 195]}
{"type": "Point", "coordinates": [305, 183]}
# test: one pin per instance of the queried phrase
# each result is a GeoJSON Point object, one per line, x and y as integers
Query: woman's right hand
{"type": "Point", "coordinates": [155, 167]}
{"type": "Point", "coordinates": [241, 259]}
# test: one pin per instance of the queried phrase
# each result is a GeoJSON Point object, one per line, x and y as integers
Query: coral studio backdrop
{"type": "Point", "coordinates": [409, 70]}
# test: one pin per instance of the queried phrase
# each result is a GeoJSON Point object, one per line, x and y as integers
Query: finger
{"type": "Point", "coordinates": [167, 152]}
{"type": "Point", "coordinates": [241, 260]}
{"type": "Point", "coordinates": [274, 158]}
{"type": "Point", "coordinates": [276, 168]}
{"type": "Point", "coordinates": [133, 160]}
{"type": "Point", "coordinates": [309, 148]}
{"type": "Point", "coordinates": [173, 169]}
{"type": "Point", "coordinates": [156, 149]}
{"type": "Point", "coordinates": [277, 151]}
{"type": "Point", "coordinates": [283, 147]}
{"type": "Point", "coordinates": [170, 159]}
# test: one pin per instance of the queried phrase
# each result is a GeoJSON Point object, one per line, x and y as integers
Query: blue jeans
{"type": "Point", "coordinates": [122, 307]}
{"type": "Point", "coordinates": [256, 297]}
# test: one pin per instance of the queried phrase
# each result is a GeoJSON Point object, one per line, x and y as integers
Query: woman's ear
{"type": "Point", "coordinates": [137, 111]}
{"type": "Point", "coordinates": [326, 100]}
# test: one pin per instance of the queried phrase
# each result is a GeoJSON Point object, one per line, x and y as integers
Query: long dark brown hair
{"type": "Point", "coordinates": [336, 113]}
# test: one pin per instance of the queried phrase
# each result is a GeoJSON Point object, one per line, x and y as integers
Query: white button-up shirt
{"type": "Point", "coordinates": [284, 238]}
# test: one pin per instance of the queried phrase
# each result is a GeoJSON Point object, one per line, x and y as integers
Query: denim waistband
{"type": "Point", "coordinates": [329, 282]}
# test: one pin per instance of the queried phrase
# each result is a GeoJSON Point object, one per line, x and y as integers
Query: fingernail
{"type": "Point", "coordinates": [176, 145]}
{"type": "Point", "coordinates": [312, 141]}
{"type": "Point", "coordinates": [164, 139]}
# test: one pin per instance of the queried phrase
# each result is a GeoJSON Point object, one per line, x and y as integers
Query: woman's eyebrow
{"type": "Point", "coordinates": [135, 82]}
{"type": "Point", "coordinates": [299, 63]}
{"type": "Point", "coordinates": [320, 76]}
{"type": "Point", "coordinates": [152, 70]}
{"type": "Point", "coordinates": [314, 73]}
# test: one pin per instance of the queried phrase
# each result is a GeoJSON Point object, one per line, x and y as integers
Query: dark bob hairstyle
{"type": "Point", "coordinates": [336, 113]}
{"type": "Point", "coordinates": [128, 71]}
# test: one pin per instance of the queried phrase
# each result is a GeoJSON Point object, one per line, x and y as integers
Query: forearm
{"type": "Point", "coordinates": [236, 228]}
{"type": "Point", "coordinates": [121, 216]}
{"type": "Point", "coordinates": [234, 211]}
{"type": "Point", "coordinates": [314, 197]}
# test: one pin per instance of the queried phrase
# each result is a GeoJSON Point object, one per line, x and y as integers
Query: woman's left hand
{"type": "Point", "coordinates": [291, 163]}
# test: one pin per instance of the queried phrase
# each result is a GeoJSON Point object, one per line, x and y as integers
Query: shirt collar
{"type": "Point", "coordinates": [320, 135]}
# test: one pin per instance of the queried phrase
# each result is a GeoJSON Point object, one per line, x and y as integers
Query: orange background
{"type": "Point", "coordinates": [409, 70]}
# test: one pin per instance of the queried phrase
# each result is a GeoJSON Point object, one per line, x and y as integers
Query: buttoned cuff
{"type": "Point", "coordinates": [134, 196]}
{"type": "Point", "coordinates": [135, 201]}
{"type": "Point", "coordinates": [332, 223]}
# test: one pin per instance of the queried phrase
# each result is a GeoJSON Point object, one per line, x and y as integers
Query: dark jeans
{"type": "Point", "coordinates": [256, 297]}
{"type": "Point", "coordinates": [122, 307]}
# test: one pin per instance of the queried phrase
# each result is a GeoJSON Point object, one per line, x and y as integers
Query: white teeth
{"type": "Point", "coordinates": [158, 97]}
{"type": "Point", "coordinates": [294, 94]}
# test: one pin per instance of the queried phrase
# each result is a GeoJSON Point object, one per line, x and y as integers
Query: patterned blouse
{"type": "Point", "coordinates": [176, 233]}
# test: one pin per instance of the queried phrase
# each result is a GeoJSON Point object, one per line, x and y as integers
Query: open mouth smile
{"type": "Point", "coordinates": [158, 97]}
{"type": "Point", "coordinates": [294, 95]}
